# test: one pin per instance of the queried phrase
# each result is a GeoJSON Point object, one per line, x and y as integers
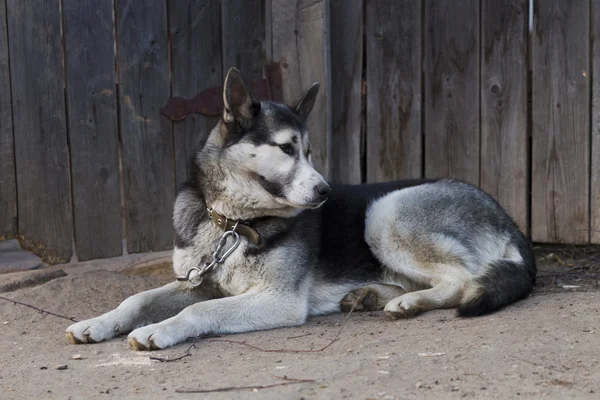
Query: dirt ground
{"type": "Point", "coordinates": [547, 345]}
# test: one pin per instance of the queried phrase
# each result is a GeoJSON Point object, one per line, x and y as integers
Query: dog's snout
{"type": "Point", "coordinates": [323, 189]}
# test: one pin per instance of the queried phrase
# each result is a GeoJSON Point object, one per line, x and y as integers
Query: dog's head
{"type": "Point", "coordinates": [264, 151]}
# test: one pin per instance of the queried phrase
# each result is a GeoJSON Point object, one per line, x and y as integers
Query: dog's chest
{"type": "Point", "coordinates": [237, 274]}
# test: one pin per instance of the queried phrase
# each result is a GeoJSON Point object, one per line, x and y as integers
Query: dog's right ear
{"type": "Point", "coordinates": [239, 103]}
{"type": "Point", "coordinates": [304, 105]}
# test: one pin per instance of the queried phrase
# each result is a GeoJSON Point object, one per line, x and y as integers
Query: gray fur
{"type": "Point", "coordinates": [405, 247]}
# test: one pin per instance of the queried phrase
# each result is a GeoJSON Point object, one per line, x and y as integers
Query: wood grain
{"type": "Point", "coordinates": [452, 89]}
{"type": "Point", "coordinates": [595, 167]}
{"type": "Point", "coordinates": [8, 188]}
{"type": "Point", "coordinates": [243, 37]}
{"type": "Point", "coordinates": [40, 131]}
{"type": "Point", "coordinates": [93, 130]}
{"type": "Point", "coordinates": [346, 89]}
{"type": "Point", "coordinates": [504, 155]}
{"type": "Point", "coordinates": [195, 66]}
{"type": "Point", "coordinates": [301, 43]}
{"type": "Point", "coordinates": [394, 134]}
{"type": "Point", "coordinates": [147, 141]}
{"type": "Point", "coordinates": [560, 114]}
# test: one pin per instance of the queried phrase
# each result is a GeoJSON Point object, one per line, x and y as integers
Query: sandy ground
{"type": "Point", "coordinates": [547, 345]}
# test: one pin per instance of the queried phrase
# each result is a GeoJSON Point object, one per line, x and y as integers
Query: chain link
{"type": "Point", "coordinates": [195, 275]}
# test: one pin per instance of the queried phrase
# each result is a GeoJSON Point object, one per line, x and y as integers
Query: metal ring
{"type": "Point", "coordinates": [191, 280]}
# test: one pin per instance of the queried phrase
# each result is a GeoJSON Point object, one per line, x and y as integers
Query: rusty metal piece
{"type": "Point", "coordinates": [210, 101]}
{"type": "Point", "coordinates": [260, 89]}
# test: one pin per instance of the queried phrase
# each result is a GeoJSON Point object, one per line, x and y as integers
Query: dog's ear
{"type": "Point", "coordinates": [304, 105]}
{"type": "Point", "coordinates": [239, 103]}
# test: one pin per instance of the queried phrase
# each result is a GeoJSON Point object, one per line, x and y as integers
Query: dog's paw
{"type": "Point", "coordinates": [92, 331]}
{"type": "Point", "coordinates": [362, 299]}
{"type": "Point", "coordinates": [404, 306]}
{"type": "Point", "coordinates": [152, 337]}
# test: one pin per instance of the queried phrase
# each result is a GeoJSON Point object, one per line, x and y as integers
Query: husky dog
{"type": "Point", "coordinates": [404, 247]}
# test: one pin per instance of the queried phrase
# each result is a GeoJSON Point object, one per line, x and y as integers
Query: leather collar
{"type": "Point", "coordinates": [225, 224]}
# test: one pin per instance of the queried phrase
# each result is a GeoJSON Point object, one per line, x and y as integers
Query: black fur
{"type": "Point", "coordinates": [333, 235]}
{"type": "Point", "coordinates": [275, 189]}
{"type": "Point", "coordinates": [342, 252]}
{"type": "Point", "coordinates": [193, 214]}
{"type": "Point", "coordinates": [272, 117]}
{"type": "Point", "coordinates": [502, 285]}
{"type": "Point", "coordinates": [333, 239]}
{"type": "Point", "coordinates": [506, 282]}
{"type": "Point", "coordinates": [330, 240]}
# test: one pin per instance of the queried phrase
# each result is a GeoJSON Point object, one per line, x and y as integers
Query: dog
{"type": "Point", "coordinates": [262, 241]}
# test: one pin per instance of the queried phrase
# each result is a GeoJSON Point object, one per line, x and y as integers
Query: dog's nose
{"type": "Point", "coordinates": [323, 189]}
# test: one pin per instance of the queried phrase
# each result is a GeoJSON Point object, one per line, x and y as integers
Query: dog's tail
{"type": "Point", "coordinates": [504, 282]}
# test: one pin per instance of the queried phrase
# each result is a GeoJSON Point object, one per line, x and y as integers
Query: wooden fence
{"type": "Point", "coordinates": [410, 88]}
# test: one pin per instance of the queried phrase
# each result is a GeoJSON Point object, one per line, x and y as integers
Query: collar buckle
{"type": "Point", "coordinates": [225, 224]}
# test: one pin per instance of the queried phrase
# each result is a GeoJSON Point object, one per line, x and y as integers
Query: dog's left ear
{"type": "Point", "coordinates": [239, 103]}
{"type": "Point", "coordinates": [306, 102]}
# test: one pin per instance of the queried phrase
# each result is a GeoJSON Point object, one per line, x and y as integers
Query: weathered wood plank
{"type": "Point", "coordinates": [195, 65]}
{"type": "Point", "coordinates": [40, 132]}
{"type": "Point", "coordinates": [394, 137]}
{"type": "Point", "coordinates": [595, 189]}
{"type": "Point", "coordinates": [301, 43]}
{"type": "Point", "coordinates": [8, 189]}
{"type": "Point", "coordinates": [346, 87]}
{"type": "Point", "coordinates": [452, 89]}
{"type": "Point", "coordinates": [94, 141]}
{"type": "Point", "coordinates": [504, 156]}
{"type": "Point", "coordinates": [243, 39]}
{"type": "Point", "coordinates": [560, 117]}
{"type": "Point", "coordinates": [147, 142]}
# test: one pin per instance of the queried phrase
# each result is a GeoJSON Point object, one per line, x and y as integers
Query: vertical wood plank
{"type": "Point", "coordinates": [8, 189]}
{"type": "Point", "coordinates": [560, 115]}
{"type": "Point", "coordinates": [452, 89]}
{"type": "Point", "coordinates": [40, 132]}
{"type": "Point", "coordinates": [196, 65]}
{"type": "Point", "coordinates": [595, 168]}
{"type": "Point", "coordinates": [394, 137]}
{"type": "Point", "coordinates": [504, 158]}
{"type": "Point", "coordinates": [92, 119]}
{"type": "Point", "coordinates": [147, 142]}
{"type": "Point", "coordinates": [346, 88]}
{"type": "Point", "coordinates": [243, 37]}
{"type": "Point", "coordinates": [301, 43]}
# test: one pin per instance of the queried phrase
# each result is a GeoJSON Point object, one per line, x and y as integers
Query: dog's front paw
{"type": "Point", "coordinates": [92, 331]}
{"type": "Point", "coordinates": [404, 306]}
{"type": "Point", "coordinates": [152, 337]}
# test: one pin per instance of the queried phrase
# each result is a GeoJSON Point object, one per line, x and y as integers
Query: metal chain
{"type": "Point", "coordinates": [195, 275]}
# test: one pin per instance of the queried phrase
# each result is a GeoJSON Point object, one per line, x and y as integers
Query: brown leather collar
{"type": "Point", "coordinates": [227, 225]}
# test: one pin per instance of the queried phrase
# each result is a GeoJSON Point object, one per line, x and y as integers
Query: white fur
{"type": "Point", "coordinates": [243, 313]}
{"type": "Point", "coordinates": [263, 289]}
{"type": "Point", "coordinates": [270, 162]}
{"type": "Point", "coordinates": [325, 297]}
{"type": "Point", "coordinates": [302, 190]}
{"type": "Point", "coordinates": [390, 241]}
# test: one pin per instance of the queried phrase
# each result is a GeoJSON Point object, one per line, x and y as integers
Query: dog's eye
{"type": "Point", "coordinates": [287, 148]}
